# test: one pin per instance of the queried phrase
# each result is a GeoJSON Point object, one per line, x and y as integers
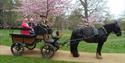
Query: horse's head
{"type": "Point", "coordinates": [116, 29]}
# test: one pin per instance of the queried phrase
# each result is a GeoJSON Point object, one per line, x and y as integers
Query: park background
{"type": "Point", "coordinates": [10, 17]}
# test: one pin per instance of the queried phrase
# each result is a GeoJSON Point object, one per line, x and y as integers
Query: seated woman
{"type": "Point", "coordinates": [26, 27]}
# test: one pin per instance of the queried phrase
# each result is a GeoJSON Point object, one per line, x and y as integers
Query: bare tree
{"type": "Point", "coordinates": [93, 6]}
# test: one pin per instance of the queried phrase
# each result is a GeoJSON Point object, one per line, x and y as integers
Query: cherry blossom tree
{"type": "Point", "coordinates": [44, 8]}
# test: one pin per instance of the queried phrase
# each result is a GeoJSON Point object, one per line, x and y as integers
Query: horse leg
{"type": "Point", "coordinates": [73, 48]}
{"type": "Point", "coordinates": [99, 48]}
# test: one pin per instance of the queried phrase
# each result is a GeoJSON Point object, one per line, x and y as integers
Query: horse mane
{"type": "Point", "coordinates": [109, 25]}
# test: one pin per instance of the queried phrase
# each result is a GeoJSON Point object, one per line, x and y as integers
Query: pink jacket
{"type": "Point", "coordinates": [25, 25]}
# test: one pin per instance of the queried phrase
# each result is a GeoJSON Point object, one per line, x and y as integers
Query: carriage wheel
{"type": "Point", "coordinates": [31, 47]}
{"type": "Point", "coordinates": [17, 49]}
{"type": "Point", "coordinates": [47, 51]}
{"type": "Point", "coordinates": [57, 46]}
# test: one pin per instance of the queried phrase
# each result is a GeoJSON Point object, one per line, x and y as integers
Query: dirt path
{"type": "Point", "coordinates": [66, 56]}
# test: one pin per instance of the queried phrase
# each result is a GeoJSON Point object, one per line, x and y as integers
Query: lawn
{"type": "Point", "coordinates": [21, 59]}
{"type": "Point", "coordinates": [113, 44]}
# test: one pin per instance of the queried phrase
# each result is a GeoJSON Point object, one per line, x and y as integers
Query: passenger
{"type": "Point", "coordinates": [32, 24]}
{"type": "Point", "coordinates": [26, 27]}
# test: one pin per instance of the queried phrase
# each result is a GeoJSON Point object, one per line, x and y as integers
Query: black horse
{"type": "Point", "coordinates": [77, 36]}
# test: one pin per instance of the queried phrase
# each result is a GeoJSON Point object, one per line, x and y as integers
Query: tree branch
{"type": "Point", "coordinates": [95, 8]}
{"type": "Point", "coordinates": [83, 3]}
{"type": "Point", "coordinates": [39, 14]}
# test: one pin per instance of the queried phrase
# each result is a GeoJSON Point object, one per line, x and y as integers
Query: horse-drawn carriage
{"type": "Point", "coordinates": [51, 45]}
{"type": "Point", "coordinates": [50, 42]}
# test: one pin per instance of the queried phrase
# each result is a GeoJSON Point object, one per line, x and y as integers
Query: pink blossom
{"type": "Point", "coordinates": [44, 7]}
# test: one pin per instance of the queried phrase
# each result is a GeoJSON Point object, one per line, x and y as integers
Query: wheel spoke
{"type": "Point", "coordinates": [17, 49]}
{"type": "Point", "coordinates": [47, 51]}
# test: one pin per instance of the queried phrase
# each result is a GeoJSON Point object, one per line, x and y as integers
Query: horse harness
{"type": "Point", "coordinates": [104, 30]}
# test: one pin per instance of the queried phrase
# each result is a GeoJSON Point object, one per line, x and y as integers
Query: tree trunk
{"type": "Point", "coordinates": [85, 5]}
{"type": "Point", "coordinates": [86, 9]}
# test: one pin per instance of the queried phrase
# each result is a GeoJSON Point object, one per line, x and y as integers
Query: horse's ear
{"type": "Point", "coordinates": [117, 22]}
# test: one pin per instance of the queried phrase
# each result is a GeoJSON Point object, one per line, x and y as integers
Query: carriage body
{"type": "Point", "coordinates": [50, 43]}
{"type": "Point", "coordinates": [27, 39]}
{"type": "Point", "coordinates": [19, 41]}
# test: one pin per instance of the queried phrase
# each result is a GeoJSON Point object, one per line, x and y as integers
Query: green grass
{"type": "Point", "coordinates": [113, 44]}
{"type": "Point", "coordinates": [21, 59]}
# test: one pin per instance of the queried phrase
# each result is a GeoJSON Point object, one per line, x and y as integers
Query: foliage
{"type": "Point", "coordinates": [94, 10]}
{"type": "Point", "coordinates": [122, 24]}
{"type": "Point", "coordinates": [44, 7]}
{"type": "Point", "coordinates": [74, 19]}
{"type": "Point", "coordinates": [7, 15]}
{"type": "Point", "coordinates": [60, 22]}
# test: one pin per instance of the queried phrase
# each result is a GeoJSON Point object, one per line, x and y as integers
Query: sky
{"type": "Point", "coordinates": [116, 7]}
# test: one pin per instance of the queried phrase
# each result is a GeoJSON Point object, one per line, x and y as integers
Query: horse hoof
{"type": "Point", "coordinates": [75, 55]}
{"type": "Point", "coordinates": [98, 57]}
